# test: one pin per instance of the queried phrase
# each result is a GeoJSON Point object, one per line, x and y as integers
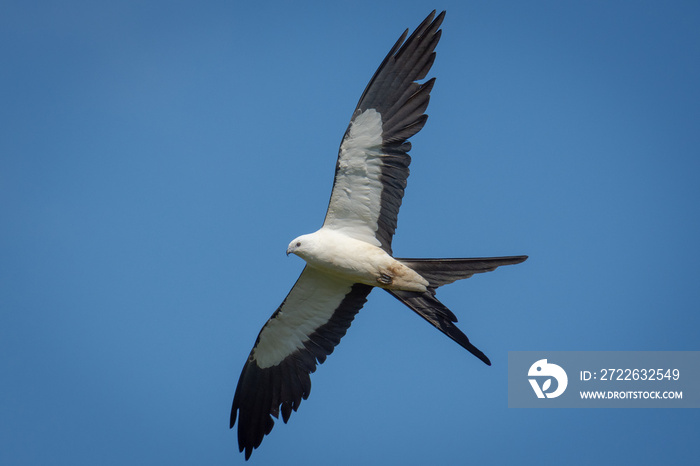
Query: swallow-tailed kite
{"type": "Point", "coordinates": [351, 253]}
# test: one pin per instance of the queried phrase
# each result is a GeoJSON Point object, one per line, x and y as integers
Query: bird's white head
{"type": "Point", "coordinates": [301, 246]}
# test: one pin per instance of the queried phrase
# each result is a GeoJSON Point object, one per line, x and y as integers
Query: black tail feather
{"type": "Point", "coordinates": [428, 307]}
{"type": "Point", "coordinates": [440, 272]}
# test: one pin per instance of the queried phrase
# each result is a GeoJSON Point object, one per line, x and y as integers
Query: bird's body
{"type": "Point", "coordinates": [355, 261]}
{"type": "Point", "coordinates": [351, 253]}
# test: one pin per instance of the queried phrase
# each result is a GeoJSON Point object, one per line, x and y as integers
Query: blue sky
{"type": "Point", "coordinates": [157, 157]}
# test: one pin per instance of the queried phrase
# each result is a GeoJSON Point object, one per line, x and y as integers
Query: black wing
{"type": "Point", "coordinates": [304, 330]}
{"type": "Point", "coordinates": [373, 160]}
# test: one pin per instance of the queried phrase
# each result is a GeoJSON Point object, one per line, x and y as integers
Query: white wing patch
{"type": "Point", "coordinates": [309, 305]}
{"type": "Point", "coordinates": [356, 197]}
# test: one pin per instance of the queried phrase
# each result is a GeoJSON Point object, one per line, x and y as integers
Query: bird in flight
{"type": "Point", "coordinates": [351, 254]}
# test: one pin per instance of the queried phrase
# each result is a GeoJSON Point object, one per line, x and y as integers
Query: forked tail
{"type": "Point", "coordinates": [440, 272]}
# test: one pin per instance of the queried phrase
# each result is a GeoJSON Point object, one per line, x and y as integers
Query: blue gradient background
{"type": "Point", "coordinates": [157, 157]}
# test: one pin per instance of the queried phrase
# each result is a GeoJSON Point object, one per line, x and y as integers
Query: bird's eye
{"type": "Point", "coordinates": [298, 243]}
